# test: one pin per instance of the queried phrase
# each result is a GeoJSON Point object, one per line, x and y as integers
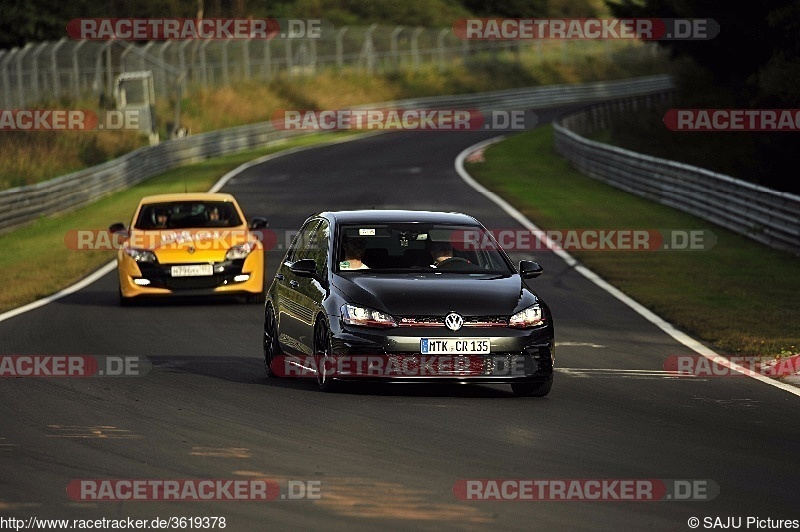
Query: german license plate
{"type": "Point", "coordinates": [454, 346]}
{"type": "Point", "coordinates": [192, 270]}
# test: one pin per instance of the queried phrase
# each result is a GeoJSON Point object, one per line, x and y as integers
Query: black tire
{"type": "Point", "coordinates": [526, 389]}
{"type": "Point", "coordinates": [322, 352]}
{"type": "Point", "coordinates": [272, 348]}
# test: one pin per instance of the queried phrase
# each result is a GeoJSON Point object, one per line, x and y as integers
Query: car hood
{"type": "Point", "coordinates": [190, 245]}
{"type": "Point", "coordinates": [437, 294]}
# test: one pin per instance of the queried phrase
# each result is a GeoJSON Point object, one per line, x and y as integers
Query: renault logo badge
{"type": "Point", "coordinates": [453, 321]}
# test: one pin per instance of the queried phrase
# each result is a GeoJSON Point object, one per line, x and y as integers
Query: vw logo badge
{"type": "Point", "coordinates": [453, 321]}
{"type": "Point", "coordinates": [191, 249]}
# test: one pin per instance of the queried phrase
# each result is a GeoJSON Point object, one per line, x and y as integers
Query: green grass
{"type": "Point", "coordinates": [739, 295]}
{"type": "Point", "coordinates": [29, 158]}
{"type": "Point", "coordinates": [36, 261]}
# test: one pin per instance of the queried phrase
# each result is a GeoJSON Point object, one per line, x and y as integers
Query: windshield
{"type": "Point", "coordinates": [187, 215]}
{"type": "Point", "coordinates": [418, 247]}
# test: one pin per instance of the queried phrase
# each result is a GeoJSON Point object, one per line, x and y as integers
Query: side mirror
{"type": "Point", "coordinates": [118, 227]}
{"type": "Point", "coordinates": [259, 222]}
{"type": "Point", "coordinates": [529, 269]}
{"type": "Point", "coordinates": [304, 268]}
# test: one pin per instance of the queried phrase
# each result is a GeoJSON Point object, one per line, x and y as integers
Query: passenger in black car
{"type": "Point", "coordinates": [353, 253]}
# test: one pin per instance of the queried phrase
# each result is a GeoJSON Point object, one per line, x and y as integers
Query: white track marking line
{"type": "Point", "coordinates": [83, 283]}
{"type": "Point", "coordinates": [627, 373]}
{"type": "Point", "coordinates": [109, 267]}
{"type": "Point", "coordinates": [653, 318]}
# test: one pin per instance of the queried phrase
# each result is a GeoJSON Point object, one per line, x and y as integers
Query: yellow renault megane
{"type": "Point", "coordinates": [190, 245]}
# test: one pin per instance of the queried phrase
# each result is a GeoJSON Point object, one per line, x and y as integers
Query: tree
{"type": "Point", "coordinates": [753, 62]}
{"type": "Point", "coordinates": [24, 22]}
{"type": "Point", "coordinates": [752, 36]}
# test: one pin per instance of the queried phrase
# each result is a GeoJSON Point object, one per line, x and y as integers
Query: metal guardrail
{"type": "Point", "coordinates": [546, 96]}
{"type": "Point", "coordinates": [768, 216]}
{"type": "Point", "coordinates": [24, 204]}
{"type": "Point", "coordinates": [21, 205]}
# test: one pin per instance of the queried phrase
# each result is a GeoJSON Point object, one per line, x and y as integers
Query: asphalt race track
{"type": "Point", "coordinates": [382, 457]}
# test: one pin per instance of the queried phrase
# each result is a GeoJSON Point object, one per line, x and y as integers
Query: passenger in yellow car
{"type": "Point", "coordinates": [162, 218]}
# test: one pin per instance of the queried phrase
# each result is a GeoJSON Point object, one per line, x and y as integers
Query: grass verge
{"type": "Point", "coordinates": [36, 261]}
{"type": "Point", "coordinates": [33, 157]}
{"type": "Point", "coordinates": [738, 295]}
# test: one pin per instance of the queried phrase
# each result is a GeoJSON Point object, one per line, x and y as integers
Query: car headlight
{"type": "Point", "coordinates": [366, 317]}
{"type": "Point", "coordinates": [241, 251]}
{"type": "Point", "coordinates": [140, 255]}
{"type": "Point", "coordinates": [528, 318]}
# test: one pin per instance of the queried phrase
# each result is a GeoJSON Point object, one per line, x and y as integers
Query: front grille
{"type": "Point", "coordinates": [486, 321]}
{"type": "Point", "coordinates": [160, 276]}
{"type": "Point", "coordinates": [421, 321]}
{"type": "Point", "coordinates": [194, 283]}
{"type": "Point", "coordinates": [438, 321]}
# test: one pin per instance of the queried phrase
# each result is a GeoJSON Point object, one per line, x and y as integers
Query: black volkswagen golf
{"type": "Point", "coordinates": [406, 296]}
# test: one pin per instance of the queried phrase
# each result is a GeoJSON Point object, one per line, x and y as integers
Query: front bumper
{"type": "Point", "coordinates": [227, 278]}
{"type": "Point", "coordinates": [517, 355]}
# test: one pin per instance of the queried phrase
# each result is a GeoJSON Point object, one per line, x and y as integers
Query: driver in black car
{"type": "Point", "coordinates": [442, 253]}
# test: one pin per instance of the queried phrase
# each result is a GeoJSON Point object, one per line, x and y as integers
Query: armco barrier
{"type": "Point", "coordinates": [768, 216]}
{"type": "Point", "coordinates": [24, 204]}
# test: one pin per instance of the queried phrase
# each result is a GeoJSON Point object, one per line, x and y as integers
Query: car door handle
{"type": "Point", "coordinates": [293, 283]}
{"type": "Point", "coordinates": [280, 277]}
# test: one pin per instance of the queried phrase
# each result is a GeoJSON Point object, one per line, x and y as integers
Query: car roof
{"type": "Point", "coordinates": [398, 216]}
{"type": "Point", "coordinates": [188, 196]}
